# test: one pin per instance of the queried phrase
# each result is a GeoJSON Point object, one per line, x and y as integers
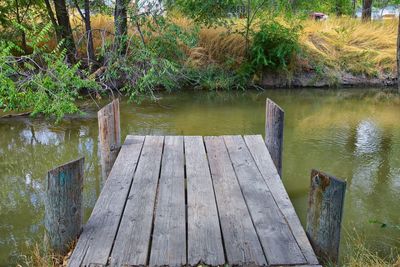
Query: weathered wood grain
{"type": "Point", "coordinates": [324, 215]}
{"type": "Point", "coordinates": [168, 246]}
{"type": "Point", "coordinates": [267, 168]}
{"type": "Point", "coordinates": [204, 233]}
{"type": "Point", "coordinates": [280, 247]}
{"type": "Point", "coordinates": [95, 243]}
{"type": "Point", "coordinates": [131, 246]}
{"type": "Point", "coordinates": [63, 206]}
{"type": "Point", "coordinates": [109, 136]}
{"type": "Point", "coordinates": [274, 119]}
{"type": "Point", "coordinates": [240, 238]}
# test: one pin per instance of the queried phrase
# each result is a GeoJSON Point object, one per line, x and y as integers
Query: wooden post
{"type": "Point", "coordinates": [63, 205]}
{"type": "Point", "coordinates": [109, 135]}
{"type": "Point", "coordinates": [324, 215]}
{"type": "Point", "coordinates": [274, 133]}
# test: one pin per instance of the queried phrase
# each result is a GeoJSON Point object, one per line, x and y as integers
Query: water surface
{"type": "Point", "coordinates": [352, 134]}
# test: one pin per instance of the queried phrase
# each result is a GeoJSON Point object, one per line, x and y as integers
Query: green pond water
{"type": "Point", "coordinates": [352, 134]}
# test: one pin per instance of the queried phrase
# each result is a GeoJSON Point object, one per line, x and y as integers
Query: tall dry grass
{"type": "Point", "coordinates": [344, 44]}
{"type": "Point", "coordinates": [351, 45]}
{"type": "Point", "coordinates": [341, 43]}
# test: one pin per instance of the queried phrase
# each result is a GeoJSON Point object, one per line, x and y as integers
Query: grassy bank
{"type": "Point", "coordinates": [340, 43]}
{"type": "Point", "coordinates": [337, 45]}
{"type": "Point", "coordinates": [174, 52]}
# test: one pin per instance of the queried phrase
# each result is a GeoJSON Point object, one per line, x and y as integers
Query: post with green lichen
{"type": "Point", "coordinates": [63, 205]}
{"type": "Point", "coordinates": [324, 215]}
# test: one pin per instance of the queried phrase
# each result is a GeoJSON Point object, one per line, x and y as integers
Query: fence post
{"type": "Point", "coordinates": [63, 205]}
{"type": "Point", "coordinates": [109, 135]}
{"type": "Point", "coordinates": [274, 133]}
{"type": "Point", "coordinates": [324, 215]}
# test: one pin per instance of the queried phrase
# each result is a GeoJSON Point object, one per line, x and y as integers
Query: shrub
{"type": "Point", "coordinates": [41, 82]}
{"type": "Point", "coordinates": [274, 46]}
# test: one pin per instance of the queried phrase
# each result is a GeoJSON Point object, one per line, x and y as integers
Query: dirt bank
{"type": "Point", "coordinates": [326, 79]}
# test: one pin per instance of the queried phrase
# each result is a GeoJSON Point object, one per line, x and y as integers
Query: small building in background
{"type": "Point", "coordinates": [318, 16]}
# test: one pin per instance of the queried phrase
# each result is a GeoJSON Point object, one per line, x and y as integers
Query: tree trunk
{"type": "Point", "coordinates": [120, 24]}
{"type": "Point", "coordinates": [398, 57]}
{"type": "Point", "coordinates": [64, 29]}
{"type": "Point", "coordinates": [89, 35]}
{"type": "Point", "coordinates": [52, 19]}
{"type": "Point", "coordinates": [354, 8]}
{"type": "Point", "coordinates": [19, 20]}
{"type": "Point", "coordinates": [366, 10]}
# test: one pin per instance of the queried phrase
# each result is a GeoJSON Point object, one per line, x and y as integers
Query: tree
{"type": "Point", "coordinates": [211, 12]}
{"type": "Point", "coordinates": [19, 12]}
{"type": "Point", "coordinates": [88, 31]}
{"type": "Point", "coordinates": [121, 25]}
{"type": "Point", "coordinates": [19, 18]}
{"type": "Point", "coordinates": [62, 26]}
{"type": "Point", "coordinates": [366, 10]}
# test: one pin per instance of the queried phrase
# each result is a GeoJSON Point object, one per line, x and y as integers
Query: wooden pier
{"type": "Point", "coordinates": [189, 200]}
{"type": "Point", "coordinates": [192, 200]}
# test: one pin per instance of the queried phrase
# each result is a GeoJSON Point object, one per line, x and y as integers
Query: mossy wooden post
{"type": "Point", "coordinates": [63, 205]}
{"type": "Point", "coordinates": [324, 215]}
{"type": "Point", "coordinates": [110, 136]}
{"type": "Point", "coordinates": [274, 119]}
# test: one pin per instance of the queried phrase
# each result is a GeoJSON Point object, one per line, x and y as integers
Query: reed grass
{"type": "Point", "coordinates": [359, 255]}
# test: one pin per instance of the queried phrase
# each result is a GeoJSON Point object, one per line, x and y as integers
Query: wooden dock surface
{"type": "Point", "coordinates": [189, 200]}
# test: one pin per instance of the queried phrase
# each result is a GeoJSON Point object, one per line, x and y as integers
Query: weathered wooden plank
{"type": "Point", "coordinates": [63, 207]}
{"type": "Point", "coordinates": [169, 235]}
{"type": "Point", "coordinates": [240, 238]}
{"type": "Point", "coordinates": [94, 244]}
{"type": "Point", "coordinates": [267, 168]}
{"type": "Point", "coordinates": [280, 247]}
{"type": "Point", "coordinates": [109, 136]}
{"type": "Point", "coordinates": [204, 234]}
{"type": "Point", "coordinates": [274, 133]}
{"type": "Point", "coordinates": [131, 246]}
{"type": "Point", "coordinates": [324, 215]}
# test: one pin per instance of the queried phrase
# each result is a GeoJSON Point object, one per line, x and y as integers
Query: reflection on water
{"type": "Point", "coordinates": [345, 133]}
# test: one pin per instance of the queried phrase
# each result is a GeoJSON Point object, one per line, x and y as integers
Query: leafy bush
{"type": "Point", "coordinates": [273, 46]}
{"type": "Point", "coordinates": [140, 73]}
{"type": "Point", "coordinates": [41, 82]}
{"type": "Point", "coordinates": [154, 59]}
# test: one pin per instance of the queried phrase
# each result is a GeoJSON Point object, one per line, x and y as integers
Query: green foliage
{"type": "Point", "coordinates": [273, 46]}
{"type": "Point", "coordinates": [214, 77]}
{"type": "Point", "coordinates": [155, 58]}
{"type": "Point", "coordinates": [208, 12]}
{"type": "Point", "coordinates": [141, 72]}
{"type": "Point", "coordinates": [41, 82]}
{"type": "Point", "coordinates": [166, 39]}
{"type": "Point", "coordinates": [23, 12]}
